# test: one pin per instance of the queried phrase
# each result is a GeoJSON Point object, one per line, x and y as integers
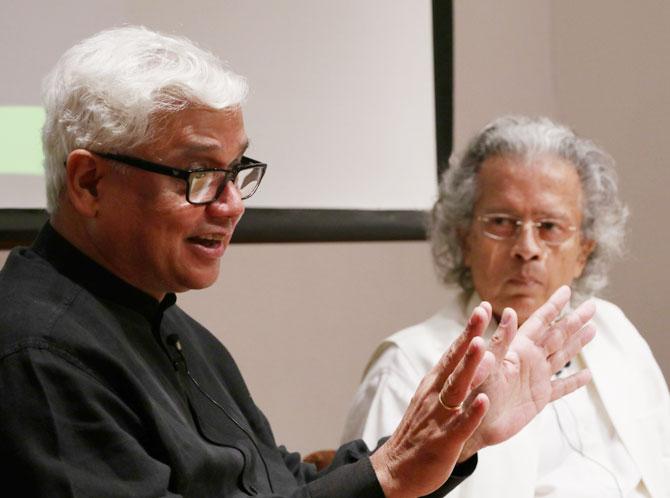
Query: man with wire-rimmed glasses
{"type": "Point", "coordinates": [528, 207]}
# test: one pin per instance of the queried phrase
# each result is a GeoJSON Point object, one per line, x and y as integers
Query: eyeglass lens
{"type": "Point", "coordinates": [205, 186]}
{"type": "Point", "coordinates": [505, 227]}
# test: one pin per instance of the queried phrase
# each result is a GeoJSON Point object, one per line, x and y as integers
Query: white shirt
{"type": "Point", "coordinates": [618, 427]}
{"type": "Point", "coordinates": [580, 453]}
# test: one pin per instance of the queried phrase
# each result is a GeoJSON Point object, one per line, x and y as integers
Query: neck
{"type": "Point", "coordinates": [80, 232]}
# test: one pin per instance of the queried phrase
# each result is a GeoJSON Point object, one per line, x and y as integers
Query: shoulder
{"type": "Point", "coordinates": [607, 310]}
{"type": "Point", "coordinates": [623, 366]}
{"type": "Point", "coordinates": [614, 327]}
{"type": "Point", "coordinates": [418, 347]}
{"type": "Point", "coordinates": [34, 297]}
{"type": "Point", "coordinates": [618, 341]}
{"type": "Point", "coordinates": [440, 329]}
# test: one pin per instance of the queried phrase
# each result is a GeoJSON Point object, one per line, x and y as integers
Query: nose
{"type": "Point", "coordinates": [229, 204]}
{"type": "Point", "coordinates": [527, 245]}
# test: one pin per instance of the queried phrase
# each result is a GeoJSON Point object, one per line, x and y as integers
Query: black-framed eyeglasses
{"type": "Point", "coordinates": [204, 186]}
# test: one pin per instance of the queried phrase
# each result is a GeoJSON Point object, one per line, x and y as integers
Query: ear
{"type": "Point", "coordinates": [587, 247]}
{"type": "Point", "coordinates": [84, 170]}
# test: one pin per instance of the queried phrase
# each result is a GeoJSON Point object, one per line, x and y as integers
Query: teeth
{"type": "Point", "coordinates": [213, 237]}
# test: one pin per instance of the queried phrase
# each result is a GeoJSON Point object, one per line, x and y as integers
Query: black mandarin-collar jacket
{"type": "Point", "coordinates": [106, 392]}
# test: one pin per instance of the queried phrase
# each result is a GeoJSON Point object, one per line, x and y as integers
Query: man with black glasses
{"type": "Point", "coordinates": [109, 389]}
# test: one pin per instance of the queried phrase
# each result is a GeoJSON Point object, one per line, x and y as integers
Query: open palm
{"type": "Point", "coordinates": [520, 384]}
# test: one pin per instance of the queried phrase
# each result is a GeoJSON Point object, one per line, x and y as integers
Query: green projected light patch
{"type": "Point", "coordinates": [20, 143]}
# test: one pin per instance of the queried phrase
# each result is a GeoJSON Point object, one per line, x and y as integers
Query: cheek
{"type": "Point", "coordinates": [486, 256]}
{"type": "Point", "coordinates": [172, 211]}
{"type": "Point", "coordinates": [168, 198]}
{"type": "Point", "coordinates": [166, 228]}
{"type": "Point", "coordinates": [577, 270]}
{"type": "Point", "coordinates": [488, 265]}
{"type": "Point", "coordinates": [582, 259]}
{"type": "Point", "coordinates": [566, 269]}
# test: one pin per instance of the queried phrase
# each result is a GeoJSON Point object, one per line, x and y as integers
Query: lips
{"type": "Point", "coordinates": [205, 242]}
{"type": "Point", "coordinates": [210, 240]}
{"type": "Point", "coordinates": [525, 281]}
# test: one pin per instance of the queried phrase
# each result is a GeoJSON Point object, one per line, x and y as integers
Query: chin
{"type": "Point", "coordinates": [203, 283]}
{"type": "Point", "coordinates": [526, 307]}
{"type": "Point", "coordinates": [198, 280]}
{"type": "Point", "coordinates": [523, 305]}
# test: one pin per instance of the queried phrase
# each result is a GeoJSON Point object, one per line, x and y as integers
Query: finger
{"type": "Point", "coordinates": [571, 347]}
{"type": "Point", "coordinates": [504, 334]}
{"type": "Point", "coordinates": [565, 328]}
{"type": "Point", "coordinates": [479, 320]}
{"type": "Point", "coordinates": [487, 307]}
{"type": "Point", "coordinates": [465, 425]}
{"type": "Point", "coordinates": [561, 387]}
{"type": "Point", "coordinates": [484, 369]}
{"type": "Point", "coordinates": [459, 383]}
{"type": "Point", "coordinates": [538, 324]}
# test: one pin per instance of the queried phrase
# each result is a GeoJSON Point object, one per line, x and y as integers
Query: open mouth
{"type": "Point", "coordinates": [212, 242]}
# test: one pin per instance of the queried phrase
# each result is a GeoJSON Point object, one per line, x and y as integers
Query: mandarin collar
{"type": "Point", "coordinates": [75, 265]}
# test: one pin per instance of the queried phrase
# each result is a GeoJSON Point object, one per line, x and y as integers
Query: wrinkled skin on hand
{"type": "Point", "coordinates": [520, 384]}
{"type": "Point", "coordinates": [422, 452]}
{"type": "Point", "coordinates": [494, 392]}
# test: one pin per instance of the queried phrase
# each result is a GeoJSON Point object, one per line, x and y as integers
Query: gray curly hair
{"type": "Point", "coordinates": [603, 217]}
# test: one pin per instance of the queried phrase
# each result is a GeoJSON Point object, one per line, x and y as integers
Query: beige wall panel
{"type": "Point", "coordinates": [613, 84]}
{"type": "Point", "coordinates": [501, 62]}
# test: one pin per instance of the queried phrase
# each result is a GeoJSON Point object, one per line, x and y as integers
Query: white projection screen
{"type": "Point", "coordinates": [342, 103]}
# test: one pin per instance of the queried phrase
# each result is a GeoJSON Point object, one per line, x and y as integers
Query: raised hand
{"type": "Point", "coordinates": [476, 397]}
{"type": "Point", "coordinates": [442, 416]}
{"type": "Point", "coordinates": [520, 384]}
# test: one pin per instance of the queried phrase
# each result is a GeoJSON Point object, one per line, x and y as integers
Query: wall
{"type": "Point", "coordinates": [501, 62]}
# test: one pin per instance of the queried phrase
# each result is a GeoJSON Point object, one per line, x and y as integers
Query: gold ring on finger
{"type": "Point", "coordinates": [448, 407]}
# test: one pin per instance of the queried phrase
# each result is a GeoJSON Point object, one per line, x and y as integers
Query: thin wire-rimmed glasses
{"type": "Point", "coordinates": [204, 186]}
{"type": "Point", "coordinates": [500, 226]}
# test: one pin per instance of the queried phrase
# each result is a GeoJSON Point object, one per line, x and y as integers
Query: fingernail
{"type": "Point", "coordinates": [504, 320]}
{"type": "Point", "coordinates": [473, 315]}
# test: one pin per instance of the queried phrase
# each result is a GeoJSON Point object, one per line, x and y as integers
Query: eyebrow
{"type": "Point", "coordinates": [539, 214]}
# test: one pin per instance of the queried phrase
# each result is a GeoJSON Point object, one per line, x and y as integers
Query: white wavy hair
{"type": "Point", "coordinates": [603, 214]}
{"type": "Point", "coordinates": [111, 91]}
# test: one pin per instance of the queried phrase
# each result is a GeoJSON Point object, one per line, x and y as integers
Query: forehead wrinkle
{"type": "Point", "coordinates": [536, 188]}
{"type": "Point", "coordinates": [545, 205]}
{"type": "Point", "coordinates": [204, 145]}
